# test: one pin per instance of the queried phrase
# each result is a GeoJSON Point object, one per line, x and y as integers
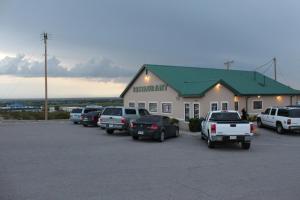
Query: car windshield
{"type": "Point", "coordinates": [87, 110]}
{"type": "Point", "coordinates": [225, 116]}
{"type": "Point", "coordinates": [149, 119]}
{"type": "Point", "coordinates": [77, 110]}
{"type": "Point", "coordinates": [93, 113]}
{"type": "Point", "coordinates": [113, 111]}
{"type": "Point", "coordinates": [294, 113]}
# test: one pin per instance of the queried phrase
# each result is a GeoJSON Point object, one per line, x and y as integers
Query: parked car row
{"type": "Point", "coordinates": [135, 121]}
{"type": "Point", "coordinates": [217, 127]}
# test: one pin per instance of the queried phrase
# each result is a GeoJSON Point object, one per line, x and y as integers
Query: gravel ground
{"type": "Point", "coordinates": [61, 161]}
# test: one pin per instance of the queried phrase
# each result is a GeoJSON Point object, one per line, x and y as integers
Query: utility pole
{"type": "Point", "coordinates": [275, 68]}
{"type": "Point", "coordinates": [228, 63]}
{"type": "Point", "coordinates": [45, 35]}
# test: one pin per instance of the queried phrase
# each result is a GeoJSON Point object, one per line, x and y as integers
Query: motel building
{"type": "Point", "coordinates": [190, 92]}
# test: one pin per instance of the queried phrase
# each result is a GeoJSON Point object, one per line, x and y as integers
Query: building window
{"type": "Point", "coordinates": [141, 105]}
{"type": "Point", "coordinates": [166, 107]}
{"type": "Point", "coordinates": [131, 104]}
{"type": "Point", "coordinates": [196, 110]}
{"type": "Point", "coordinates": [186, 112]}
{"type": "Point", "coordinates": [236, 106]}
{"type": "Point", "coordinates": [213, 106]}
{"type": "Point", "coordinates": [224, 105]}
{"type": "Point", "coordinates": [257, 105]}
{"type": "Point", "coordinates": [153, 107]}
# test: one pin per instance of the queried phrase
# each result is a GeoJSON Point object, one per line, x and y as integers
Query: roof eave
{"type": "Point", "coordinates": [271, 94]}
{"type": "Point", "coordinates": [133, 80]}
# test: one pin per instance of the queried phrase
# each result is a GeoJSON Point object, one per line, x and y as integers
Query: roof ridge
{"type": "Point", "coordinates": [199, 67]}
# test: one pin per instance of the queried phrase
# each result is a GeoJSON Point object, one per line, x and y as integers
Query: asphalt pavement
{"type": "Point", "coordinates": [61, 161]}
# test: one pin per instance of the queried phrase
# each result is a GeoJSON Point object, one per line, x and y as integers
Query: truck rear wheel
{"type": "Point", "coordinates": [109, 131]}
{"type": "Point", "coordinates": [279, 128]}
{"type": "Point", "coordinates": [246, 145]}
{"type": "Point", "coordinates": [210, 143]}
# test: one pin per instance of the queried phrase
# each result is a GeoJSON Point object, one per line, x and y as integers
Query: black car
{"type": "Point", "coordinates": [90, 118]}
{"type": "Point", "coordinates": [153, 126]}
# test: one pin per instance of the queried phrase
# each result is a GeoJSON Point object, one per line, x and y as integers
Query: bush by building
{"type": "Point", "coordinates": [195, 124]}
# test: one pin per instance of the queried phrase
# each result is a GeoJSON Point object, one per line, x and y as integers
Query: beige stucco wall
{"type": "Point", "coordinates": [169, 95]}
{"type": "Point", "coordinates": [268, 101]}
{"type": "Point", "coordinates": [216, 94]}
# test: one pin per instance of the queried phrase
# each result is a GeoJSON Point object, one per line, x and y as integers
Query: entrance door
{"type": "Point", "coordinates": [186, 112]}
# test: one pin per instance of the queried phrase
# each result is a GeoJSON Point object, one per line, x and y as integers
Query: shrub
{"type": "Point", "coordinates": [174, 121]}
{"type": "Point", "coordinates": [195, 125]}
{"type": "Point", "coordinates": [252, 118]}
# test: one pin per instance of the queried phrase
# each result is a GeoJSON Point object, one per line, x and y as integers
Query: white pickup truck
{"type": "Point", "coordinates": [283, 119]}
{"type": "Point", "coordinates": [226, 126]}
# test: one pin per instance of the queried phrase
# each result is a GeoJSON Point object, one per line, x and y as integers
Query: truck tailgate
{"type": "Point", "coordinates": [295, 121]}
{"type": "Point", "coordinates": [233, 128]}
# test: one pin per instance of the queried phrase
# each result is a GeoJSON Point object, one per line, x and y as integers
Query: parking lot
{"type": "Point", "coordinates": [59, 160]}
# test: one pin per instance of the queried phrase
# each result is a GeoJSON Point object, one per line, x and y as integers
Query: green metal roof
{"type": "Point", "coordinates": [195, 81]}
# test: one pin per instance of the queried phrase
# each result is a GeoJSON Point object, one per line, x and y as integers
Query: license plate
{"type": "Point", "coordinates": [110, 125]}
{"type": "Point", "coordinates": [140, 132]}
{"type": "Point", "coordinates": [85, 119]}
{"type": "Point", "coordinates": [232, 137]}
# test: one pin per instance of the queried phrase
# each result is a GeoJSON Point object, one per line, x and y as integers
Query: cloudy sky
{"type": "Point", "coordinates": [95, 47]}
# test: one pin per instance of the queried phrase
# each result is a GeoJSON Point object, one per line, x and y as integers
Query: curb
{"type": "Point", "coordinates": [190, 133]}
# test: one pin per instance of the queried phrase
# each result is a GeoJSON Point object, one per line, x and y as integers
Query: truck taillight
{"type": "Point", "coordinates": [154, 127]}
{"type": "Point", "coordinates": [123, 120]}
{"type": "Point", "coordinates": [213, 128]}
{"type": "Point", "coordinates": [252, 128]}
{"type": "Point", "coordinates": [95, 118]}
{"type": "Point", "coordinates": [289, 121]}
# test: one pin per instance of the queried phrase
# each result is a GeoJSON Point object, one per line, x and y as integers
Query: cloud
{"type": "Point", "coordinates": [103, 68]}
{"type": "Point", "coordinates": [100, 68]}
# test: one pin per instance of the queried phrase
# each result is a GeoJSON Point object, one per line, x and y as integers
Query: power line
{"type": "Point", "coordinates": [261, 66]}
{"type": "Point", "coordinates": [268, 68]}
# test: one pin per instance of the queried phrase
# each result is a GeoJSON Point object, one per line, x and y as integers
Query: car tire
{"type": "Point", "coordinates": [177, 133]}
{"type": "Point", "coordinates": [162, 136]}
{"type": "Point", "coordinates": [246, 145]}
{"type": "Point", "coordinates": [210, 144]}
{"type": "Point", "coordinates": [259, 123]}
{"type": "Point", "coordinates": [135, 137]}
{"type": "Point", "coordinates": [109, 131]}
{"type": "Point", "coordinates": [84, 125]}
{"type": "Point", "coordinates": [279, 128]}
